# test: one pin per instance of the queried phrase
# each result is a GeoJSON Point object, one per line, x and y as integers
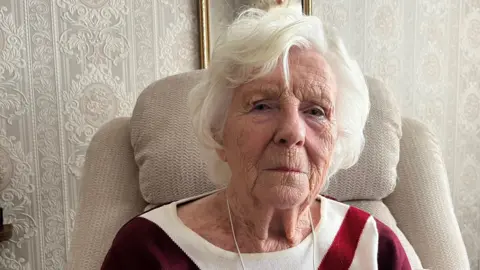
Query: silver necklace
{"type": "Point", "coordinates": [236, 243]}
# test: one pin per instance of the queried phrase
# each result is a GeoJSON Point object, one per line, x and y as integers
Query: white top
{"type": "Point", "coordinates": [208, 256]}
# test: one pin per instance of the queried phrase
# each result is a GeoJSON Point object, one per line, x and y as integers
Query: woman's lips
{"type": "Point", "coordinates": [286, 169]}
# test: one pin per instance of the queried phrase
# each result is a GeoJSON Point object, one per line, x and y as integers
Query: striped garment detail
{"type": "Point", "coordinates": [342, 251]}
{"type": "Point", "coordinates": [366, 255]}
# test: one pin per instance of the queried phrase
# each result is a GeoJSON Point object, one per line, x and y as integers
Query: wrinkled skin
{"type": "Point", "coordinates": [278, 141]}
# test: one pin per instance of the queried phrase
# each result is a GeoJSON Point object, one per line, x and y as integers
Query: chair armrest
{"type": "Point", "coordinates": [109, 195]}
{"type": "Point", "coordinates": [422, 204]}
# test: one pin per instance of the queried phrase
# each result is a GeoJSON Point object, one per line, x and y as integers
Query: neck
{"type": "Point", "coordinates": [262, 228]}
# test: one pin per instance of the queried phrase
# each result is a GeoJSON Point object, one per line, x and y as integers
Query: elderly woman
{"type": "Point", "coordinates": [281, 108]}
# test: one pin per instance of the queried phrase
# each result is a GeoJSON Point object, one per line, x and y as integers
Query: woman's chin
{"type": "Point", "coordinates": [283, 197]}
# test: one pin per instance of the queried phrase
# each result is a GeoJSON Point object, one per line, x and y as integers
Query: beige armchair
{"type": "Point", "coordinates": [153, 158]}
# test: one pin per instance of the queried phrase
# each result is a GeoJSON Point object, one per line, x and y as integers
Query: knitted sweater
{"type": "Point", "coordinates": [346, 238]}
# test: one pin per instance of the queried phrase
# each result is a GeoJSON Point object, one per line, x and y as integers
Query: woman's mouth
{"type": "Point", "coordinates": [286, 169]}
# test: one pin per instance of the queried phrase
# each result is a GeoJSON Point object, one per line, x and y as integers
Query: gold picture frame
{"type": "Point", "coordinates": [204, 28]}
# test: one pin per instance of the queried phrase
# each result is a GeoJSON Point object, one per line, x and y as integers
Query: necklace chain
{"type": "Point", "coordinates": [236, 243]}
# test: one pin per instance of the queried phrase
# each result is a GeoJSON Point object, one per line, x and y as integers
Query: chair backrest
{"type": "Point", "coordinates": [171, 168]}
{"type": "Point", "coordinates": [109, 195]}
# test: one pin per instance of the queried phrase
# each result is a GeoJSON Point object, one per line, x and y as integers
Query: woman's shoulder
{"type": "Point", "coordinates": [352, 216]}
{"type": "Point", "coordinates": [344, 217]}
{"type": "Point", "coordinates": [359, 228]}
{"type": "Point", "coordinates": [142, 244]}
{"type": "Point", "coordinates": [137, 230]}
{"type": "Point", "coordinates": [168, 214]}
{"type": "Point", "coordinates": [132, 241]}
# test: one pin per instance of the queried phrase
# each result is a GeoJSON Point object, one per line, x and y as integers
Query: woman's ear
{"type": "Point", "coordinates": [221, 154]}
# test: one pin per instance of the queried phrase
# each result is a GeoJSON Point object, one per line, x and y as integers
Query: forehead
{"type": "Point", "coordinates": [309, 73]}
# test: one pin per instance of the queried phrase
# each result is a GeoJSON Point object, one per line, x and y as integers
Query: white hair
{"type": "Point", "coordinates": [250, 48]}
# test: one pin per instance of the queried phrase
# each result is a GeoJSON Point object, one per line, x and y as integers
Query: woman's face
{"type": "Point", "coordinates": [278, 139]}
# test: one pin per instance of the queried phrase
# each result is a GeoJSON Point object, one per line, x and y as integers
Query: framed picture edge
{"type": "Point", "coordinates": [204, 28]}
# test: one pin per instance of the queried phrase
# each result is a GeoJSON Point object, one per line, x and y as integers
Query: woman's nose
{"type": "Point", "coordinates": [291, 130]}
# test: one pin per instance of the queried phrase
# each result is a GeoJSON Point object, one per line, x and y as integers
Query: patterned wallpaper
{"type": "Point", "coordinates": [68, 66]}
{"type": "Point", "coordinates": [428, 53]}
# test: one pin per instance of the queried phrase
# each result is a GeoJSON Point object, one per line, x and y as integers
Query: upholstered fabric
{"type": "Point", "coordinates": [166, 149]}
{"type": "Point", "coordinates": [379, 210]}
{"type": "Point", "coordinates": [375, 174]}
{"type": "Point", "coordinates": [422, 204]}
{"type": "Point", "coordinates": [167, 152]}
{"type": "Point", "coordinates": [109, 196]}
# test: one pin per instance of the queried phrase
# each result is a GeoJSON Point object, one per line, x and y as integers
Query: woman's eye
{"type": "Point", "coordinates": [317, 112]}
{"type": "Point", "coordinates": [261, 107]}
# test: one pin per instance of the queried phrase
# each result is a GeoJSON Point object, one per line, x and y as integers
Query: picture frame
{"type": "Point", "coordinates": [204, 28]}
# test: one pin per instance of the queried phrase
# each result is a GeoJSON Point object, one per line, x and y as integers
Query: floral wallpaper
{"type": "Point", "coordinates": [69, 66]}
{"type": "Point", "coordinates": [428, 53]}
